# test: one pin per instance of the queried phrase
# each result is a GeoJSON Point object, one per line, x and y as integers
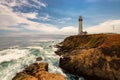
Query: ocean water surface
{"type": "Point", "coordinates": [16, 53]}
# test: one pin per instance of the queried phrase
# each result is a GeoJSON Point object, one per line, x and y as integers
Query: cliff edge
{"type": "Point", "coordinates": [95, 57]}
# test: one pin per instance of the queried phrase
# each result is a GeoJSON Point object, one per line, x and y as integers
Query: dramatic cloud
{"type": "Point", "coordinates": [11, 20]}
{"type": "Point", "coordinates": [7, 19]}
{"type": "Point", "coordinates": [27, 3]}
{"type": "Point", "coordinates": [17, 21]}
{"type": "Point", "coordinates": [23, 22]}
{"type": "Point", "coordinates": [109, 26]}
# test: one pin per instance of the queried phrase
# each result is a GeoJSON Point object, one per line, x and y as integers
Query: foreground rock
{"type": "Point", "coordinates": [37, 72]}
{"type": "Point", "coordinates": [95, 57]}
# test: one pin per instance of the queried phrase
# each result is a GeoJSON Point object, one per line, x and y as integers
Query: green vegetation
{"type": "Point", "coordinates": [93, 42]}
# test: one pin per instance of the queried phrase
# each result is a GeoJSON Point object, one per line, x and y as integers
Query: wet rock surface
{"type": "Point", "coordinates": [37, 72]}
{"type": "Point", "coordinates": [39, 59]}
{"type": "Point", "coordinates": [95, 57]}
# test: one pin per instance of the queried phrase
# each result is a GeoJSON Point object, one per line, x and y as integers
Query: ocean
{"type": "Point", "coordinates": [17, 52]}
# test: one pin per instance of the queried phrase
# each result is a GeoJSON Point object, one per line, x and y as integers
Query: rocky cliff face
{"type": "Point", "coordinates": [37, 72]}
{"type": "Point", "coordinates": [95, 57]}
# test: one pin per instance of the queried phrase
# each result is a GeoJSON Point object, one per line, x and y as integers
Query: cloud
{"type": "Point", "coordinates": [7, 19]}
{"type": "Point", "coordinates": [45, 18]}
{"type": "Point", "coordinates": [68, 30]}
{"type": "Point", "coordinates": [28, 15]}
{"type": "Point", "coordinates": [39, 3]}
{"type": "Point", "coordinates": [28, 3]}
{"type": "Point", "coordinates": [63, 20]}
{"type": "Point", "coordinates": [11, 20]}
{"type": "Point", "coordinates": [105, 27]}
{"type": "Point", "coordinates": [18, 21]}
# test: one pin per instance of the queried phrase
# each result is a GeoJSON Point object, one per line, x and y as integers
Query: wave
{"type": "Point", "coordinates": [15, 60]}
{"type": "Point", "coordinates": [34, 47]}
{"type": "Point", "coordinates": [12, 54]}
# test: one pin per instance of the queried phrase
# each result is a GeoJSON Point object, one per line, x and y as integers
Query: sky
{"type": "Point", "coordinates": [21, 17]}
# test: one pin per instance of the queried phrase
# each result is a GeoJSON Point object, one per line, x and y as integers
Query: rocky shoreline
{"type": "Point", "coordinates": [95, 57]}
{"type": "Point", "coordinates": [37, 71]}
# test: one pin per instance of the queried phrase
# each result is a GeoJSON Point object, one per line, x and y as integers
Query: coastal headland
{"type": "Point", "coordinates": [94, 56]}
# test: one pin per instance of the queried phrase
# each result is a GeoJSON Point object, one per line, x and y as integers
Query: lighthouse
{"type": "Point", "coordinates": [80, 25]}
{"type": "Point", "coordinates": [80, 29]}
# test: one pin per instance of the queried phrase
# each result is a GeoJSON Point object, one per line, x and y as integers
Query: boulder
{"type": "Point", "coordinates": [37, 72]}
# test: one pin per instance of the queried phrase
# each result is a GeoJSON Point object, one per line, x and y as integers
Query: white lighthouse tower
{"type": "Point", "coordinates": [80, 25]}
{"type": "Point", "coordinates": [80, 30]}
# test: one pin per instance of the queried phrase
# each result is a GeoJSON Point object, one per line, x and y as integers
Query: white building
{"type": "Point", "coordinates": [80, 30]}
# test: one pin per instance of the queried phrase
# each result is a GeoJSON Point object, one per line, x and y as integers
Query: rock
{"type": "Point", "coordinates": [37, 72]}
{"type": "Point", "coordinates": [39, 59]}
{"type": "Point", "coordinates": [34, 68]}
{"type": "Point", "coordinates": [43, 75]}
{"type": "Point", "coordinates": [22, 76]}
{"type": "Point", "coordinates": [98, 59]}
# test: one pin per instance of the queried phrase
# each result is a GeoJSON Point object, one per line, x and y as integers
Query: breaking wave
{"type": "Point", "coordinates": [14, 60]}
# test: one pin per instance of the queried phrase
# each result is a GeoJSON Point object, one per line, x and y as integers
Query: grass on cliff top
{"type": "Point", "coordinates": [96, 41]}
{"type": "Point", "coordinates": [92, 41]}
{"type": "Point", "coordinates": [75, 41]}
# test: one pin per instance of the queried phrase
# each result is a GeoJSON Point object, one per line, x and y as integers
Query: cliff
{"type": "Point", "coordinates": [37, 72]}
{"type": "Point", "coordinates": [95, 57]}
